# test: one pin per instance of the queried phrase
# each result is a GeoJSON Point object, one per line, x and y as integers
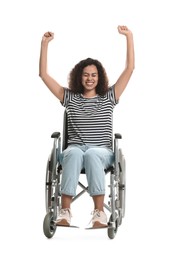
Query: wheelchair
{"type": "Point", "coordinates": [117, 185]}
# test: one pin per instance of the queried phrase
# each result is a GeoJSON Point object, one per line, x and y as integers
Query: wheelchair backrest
{"type": "Point", "coordinates": [65, 131]}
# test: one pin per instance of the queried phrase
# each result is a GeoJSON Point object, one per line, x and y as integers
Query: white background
{"type": "Point", "coordinates": [29, 113]}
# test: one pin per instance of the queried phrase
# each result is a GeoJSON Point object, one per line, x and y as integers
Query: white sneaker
{"type": "Point", "coordinates": [99, 219]}
{"type": "Point", "coordinates": [64, 217]}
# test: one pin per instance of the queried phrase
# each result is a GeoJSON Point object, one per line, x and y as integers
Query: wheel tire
{"type": "Point", "coordinates": [48, 187]}
{"type": "Point", "coordinates": [120, 217]}
{"type": "Point", "coordinates": [48, 228]}
{"type": "Point", "coordinates": [122, 182]}
{"type": "Point", "coordinates": [111, 230]}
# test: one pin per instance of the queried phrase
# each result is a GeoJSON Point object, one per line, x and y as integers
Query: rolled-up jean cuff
{"type": "Point", "coordinates": [68, 194]}
{"type": "Point", "coordinates": [97, 193]}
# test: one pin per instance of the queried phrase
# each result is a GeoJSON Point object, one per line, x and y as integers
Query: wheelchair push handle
{"type": "Point", "coordinates": [55, 135]}
{"type": "Point", "coordinates": [118, 136]}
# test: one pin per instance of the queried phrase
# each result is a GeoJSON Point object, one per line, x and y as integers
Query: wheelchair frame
{"type": "Point", "coordinates": [117, 186]}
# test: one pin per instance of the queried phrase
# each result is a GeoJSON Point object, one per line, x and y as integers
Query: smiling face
{"type": "Point", "coordinates": [90, 80]}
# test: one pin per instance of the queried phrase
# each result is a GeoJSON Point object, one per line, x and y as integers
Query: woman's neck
{"type": "Point", "coordinates": [89, 94]}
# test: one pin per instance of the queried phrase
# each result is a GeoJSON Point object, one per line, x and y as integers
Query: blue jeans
{"type": "Point", "coordinates": [93, 159]}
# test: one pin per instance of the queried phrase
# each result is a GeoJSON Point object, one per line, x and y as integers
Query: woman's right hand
{"type": "Point", "coordinates": [47, 37]}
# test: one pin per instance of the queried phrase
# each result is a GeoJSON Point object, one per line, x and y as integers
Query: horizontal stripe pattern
{"type": "Point", "coordinates": [90, 119]}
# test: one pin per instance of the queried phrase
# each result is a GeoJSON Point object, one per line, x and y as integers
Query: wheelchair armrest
{"type": "Point", "coordinates": [118, 136]}
{"type": "Point", "coordinates": [55, 135]}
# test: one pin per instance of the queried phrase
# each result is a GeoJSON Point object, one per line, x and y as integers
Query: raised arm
{"type": "Point", "coordinates": [124, 78]}
{"type": "Point", "coordinates": [54, 87]}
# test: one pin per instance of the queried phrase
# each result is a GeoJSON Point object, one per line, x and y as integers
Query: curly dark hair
{"type": "Point", "coordinates": [75, 77]}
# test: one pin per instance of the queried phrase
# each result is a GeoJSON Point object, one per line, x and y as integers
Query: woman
{"type": "Point", "coordinates": [89, 103]}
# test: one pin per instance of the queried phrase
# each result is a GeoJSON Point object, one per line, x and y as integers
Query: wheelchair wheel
{"type": "Point", "coordinates": [122, 184]}
{"type": "Point", "coordinates": [48, 227]}
{"type": "Point", "coordinates": [120, 217]}
{"type": "Point", "coordinates": [112, 230]}
{"type": "Point", "coordinates": [48, 187]}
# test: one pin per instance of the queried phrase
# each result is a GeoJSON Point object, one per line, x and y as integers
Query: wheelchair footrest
{"type": "Point", "coordinates": [89, 228]}
{"type": "Point", "coordinates": [68, 226]}
{"type": "Point", "coordinates": [71, 226]}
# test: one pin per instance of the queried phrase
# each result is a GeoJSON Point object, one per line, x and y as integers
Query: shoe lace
{"type": "Point", "coordinates": [63, 212]}
{"type": "Point", "coordinates": [95, 213]}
